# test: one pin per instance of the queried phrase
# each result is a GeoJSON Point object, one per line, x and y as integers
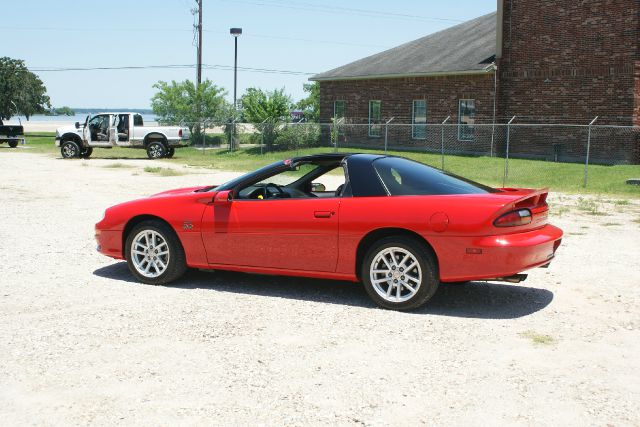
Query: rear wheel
{"type": "Point", "coordinates": [399, 273]}
{"type": "Point", "coordinates": [86, 153]}
{"type": "Point", "coordinates": [13, 144]}
{"type": "Point", "coordinates": [156, 150]}
{"type": "Point", "coordinates": [70, 150]}
{"type": "Point", "coordinates": [170, 152]}
{"type": "Point", "coordinates": [154, 253]}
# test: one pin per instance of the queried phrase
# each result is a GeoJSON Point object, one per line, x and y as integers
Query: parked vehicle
{"type": "Point", "coordinates": [108, 130]}
{"type": "Point", "coordinates": [399, 226]}
{"type": "Point", "coordinates": [11, 134]}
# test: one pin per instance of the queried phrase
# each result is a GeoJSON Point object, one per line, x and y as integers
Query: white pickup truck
{"type": "Point", "coordinates": [108, 130]}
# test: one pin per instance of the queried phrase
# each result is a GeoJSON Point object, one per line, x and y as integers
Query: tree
{"type": "Point", "coordinates": [21, 91]}
{"type": "Point", "coordinates": [177, 102]}
{"type": "Point", "coordinates": [310, 105]}
{"type": "Point", "coordinates": [265, 109]}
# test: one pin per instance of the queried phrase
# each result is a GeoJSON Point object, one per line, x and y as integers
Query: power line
{"type": "Point", "coordinates": [343, 10]}
{"type": "Point", "coordinates": [173, 66]}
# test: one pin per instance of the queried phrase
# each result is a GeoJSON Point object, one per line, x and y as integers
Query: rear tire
{"type": "Point", "coordinates": [86, 153]}
{"type": "Point", "coordinates": [400, 273]}
{"type": "Point", "coordinates": [170, 152]}
{"type": "Point", "coordinates": [154, 253]}
{"type": "Point", "coordinates": [70, 150]}
{"type": "Point", "coordinates": [13, 144]}
{"type": "Point", "coordinates": [156, 150]}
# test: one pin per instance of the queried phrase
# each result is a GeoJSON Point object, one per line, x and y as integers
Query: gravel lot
{"type": "Point", "coordinates": [82, 343]}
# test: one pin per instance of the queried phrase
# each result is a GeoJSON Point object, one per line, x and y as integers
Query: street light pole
{"type": "Point", "coordinates": [235, 32]}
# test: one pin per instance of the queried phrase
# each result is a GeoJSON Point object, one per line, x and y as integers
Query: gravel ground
{"type": "Point", "coordinates": [82, 343]}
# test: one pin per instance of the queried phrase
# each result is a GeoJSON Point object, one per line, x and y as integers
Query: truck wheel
{"type": "Point", "coordinates": [13, 144]}
{"type": "Point", "coordinates": [170, 152]}
{"type": "Point", "coordinates": [86, 153]}
{"type": "Point", "coordinates": [156, 150]}
{"type": "Point", "coordinates": [70, 150]}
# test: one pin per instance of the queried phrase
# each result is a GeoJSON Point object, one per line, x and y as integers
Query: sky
{"type": "Point", "coordinates": [305, 37]}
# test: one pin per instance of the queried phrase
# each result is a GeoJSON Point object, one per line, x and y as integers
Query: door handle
{"type": "Point", "coordinates": [323, 214]}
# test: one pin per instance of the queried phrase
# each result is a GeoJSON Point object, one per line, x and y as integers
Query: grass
{"type": "Point", "coordinates": [163, 171]}
{"type": "Point", "coordinates": [561, 177]}
{"type": "Point", "coordinates": [611, 224]}
{"type": "Point", "coordinates": [117, 166]}
{"type": "Point", "coordinates": [589, 206]}
{"type": "Point", "coordinates": [538, 338]}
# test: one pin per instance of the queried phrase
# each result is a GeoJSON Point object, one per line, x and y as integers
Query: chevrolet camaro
{"type": "Point", "coordinates": [398, 226]}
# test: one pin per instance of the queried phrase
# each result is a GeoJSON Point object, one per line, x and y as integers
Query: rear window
{"type": "Point", "coordinates": [403, 177]}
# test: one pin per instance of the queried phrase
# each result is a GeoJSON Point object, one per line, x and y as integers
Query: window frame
{"type": "Point", "coordinates": [344, 108]}
{"type": "Point", "coordinates": [415, 125]}
{"type": "Point", "coordinates": [379, 124]}
{"type": "Point", "coordinates": [471, 135]}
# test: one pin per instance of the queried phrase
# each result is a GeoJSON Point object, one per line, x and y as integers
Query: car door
{"type": "Point", "coordinates": [297, 232]}
{"type": "Point", "coordinates": [289, 234]}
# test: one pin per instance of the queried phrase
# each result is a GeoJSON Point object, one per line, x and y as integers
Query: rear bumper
{"type": "Point", "coordinates": [488, 257]}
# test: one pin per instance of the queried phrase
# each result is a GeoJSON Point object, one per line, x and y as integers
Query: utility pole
{"type": "Point", "coordinates": [199, 79]}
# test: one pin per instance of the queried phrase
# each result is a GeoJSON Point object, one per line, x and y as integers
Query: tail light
{"type": "Point", "coordinates": [180, 133]}
{"type": "Point", "coordinates": [514, 218]}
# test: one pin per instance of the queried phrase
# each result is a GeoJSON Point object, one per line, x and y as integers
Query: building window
{"type": "Point", "coordinates": [419, 120]}
{"type": "Point", "coordinates": [466, 119]}
{"type": "Point", "coordinates": [338, 109]}
{"type": "Point", "coordinates": [375, 119]}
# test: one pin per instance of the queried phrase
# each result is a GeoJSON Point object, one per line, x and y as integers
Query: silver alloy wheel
{"type": "Point", "coordinates": [150, 253]}
{"type": "Point", "coordinates": [395, 274]}
{"type": "Point", "coordinates": [156, 151]}
{"type": "Point", "coordinates": [69, 150]}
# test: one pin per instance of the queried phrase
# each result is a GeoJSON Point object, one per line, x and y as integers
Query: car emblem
{"type": "Point", "coordinates": [187, 225]}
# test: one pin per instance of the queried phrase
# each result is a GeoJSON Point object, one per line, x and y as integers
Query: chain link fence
{"type": "Point", "coordinates": [499, 154]}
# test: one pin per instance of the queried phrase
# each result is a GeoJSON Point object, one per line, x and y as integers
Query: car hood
{"type": "Point", "coordinates": [180, 191]}
{"type": "Point", "coordinates": [65, 129]}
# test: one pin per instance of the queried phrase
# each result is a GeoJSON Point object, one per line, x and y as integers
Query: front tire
{"type": "Point", "coordinates": [154, 253]}
{"type": "Point", "coordinates": [70, 150]}
{"type": "Point", "coordinates": [399, 273]}
{"type": "Point", "coordinates": [156, 150]}
{"type": "Point", "coordinates": [13, 144]}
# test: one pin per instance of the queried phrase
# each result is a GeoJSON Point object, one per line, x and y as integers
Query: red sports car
{"type": "Point", "coordinates": [399, 226]}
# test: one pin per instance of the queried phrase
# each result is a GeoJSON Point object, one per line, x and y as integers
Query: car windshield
{"type": "Point", "coordinates": [402, 177]}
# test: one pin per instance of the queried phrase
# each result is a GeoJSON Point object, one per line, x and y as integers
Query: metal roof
{"type": "Point", "coordinates": [465, 48]}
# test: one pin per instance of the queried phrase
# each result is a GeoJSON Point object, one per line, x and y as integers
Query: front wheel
{"type": "Point", "coordinates": [170, 152]}
{"type": "Point", "coordinates": [156, 150]}
{"type": "Point", "coordinates": [154, 253]}
{"type": "Point", "coordinates": [70, 150]}
{"type": "Point", "coordinates": [399, 273]}
{"type": "Point", "coordinates": [13, 144]}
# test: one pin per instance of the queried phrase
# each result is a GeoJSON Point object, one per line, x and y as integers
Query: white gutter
{"type": "Point", "coordinates": [399, 76]}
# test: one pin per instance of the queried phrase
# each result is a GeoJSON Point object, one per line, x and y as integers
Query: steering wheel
{"type": "Point", "coordinates": [268, 194]}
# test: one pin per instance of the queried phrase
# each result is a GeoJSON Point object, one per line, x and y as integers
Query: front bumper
{"type": "Point", "coordinates": [489, 257]}
{"type": "Point", "coordinates": [110, 243]}
{"type": "Point", "coordinates": [57, 141]}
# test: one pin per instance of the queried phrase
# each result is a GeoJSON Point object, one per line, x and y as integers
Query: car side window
{"type": "Point", "coordinates": [137, 120]}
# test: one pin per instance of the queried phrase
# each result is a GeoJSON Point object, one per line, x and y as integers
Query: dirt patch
{"type": "Point", "coordinates": [83, 343]}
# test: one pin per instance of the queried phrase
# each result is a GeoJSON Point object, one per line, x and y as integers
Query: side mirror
{"type": "Point", "coordinates": [223, 197]}
{"type": "Point", "coordinates": [318, 187]}
{"type": "Point", "coordinates": [77, 125]}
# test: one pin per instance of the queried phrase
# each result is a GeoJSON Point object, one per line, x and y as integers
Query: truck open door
{"type": "Point", "coordinates": [86, 132]}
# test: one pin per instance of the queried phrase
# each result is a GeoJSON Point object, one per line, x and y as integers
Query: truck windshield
{"type": "Point", "coordinates": [137, 120]}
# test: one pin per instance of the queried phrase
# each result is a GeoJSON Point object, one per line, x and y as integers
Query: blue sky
{"type": "Point", "coordinates": [303, 36]}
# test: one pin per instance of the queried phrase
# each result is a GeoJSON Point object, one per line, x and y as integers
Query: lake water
{"type": "Point", "coordinates": [151, 118]}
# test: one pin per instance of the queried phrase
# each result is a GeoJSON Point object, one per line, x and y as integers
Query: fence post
{"type": "Point", "coordinates": [386, 133]}
{"type": "Point", "coordinates": [442, 142]}
{"type": "Point", "coordinates": [506, 157]}
{"type": "Point", "coordinates": [586, 163]}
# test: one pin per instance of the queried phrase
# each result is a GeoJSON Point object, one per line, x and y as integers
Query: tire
{"type": "Point", "coordinates": [70, 150]}
{"type": "Point", "coordinates": [416, 285]}
{"type": "Point", "coordinates": [156, 150]}
{"type": "Point", "coordinates": [163, 239]}
{"type": "Point", "coordinates": [86, 153]}
{"type": "Point", "coordinates": [170, 152]}
{"type": "Point", "coordinates": [13, 144]}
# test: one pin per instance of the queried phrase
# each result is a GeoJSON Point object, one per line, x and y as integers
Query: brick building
{"type": "Point", "coordinates": [543, 61]}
